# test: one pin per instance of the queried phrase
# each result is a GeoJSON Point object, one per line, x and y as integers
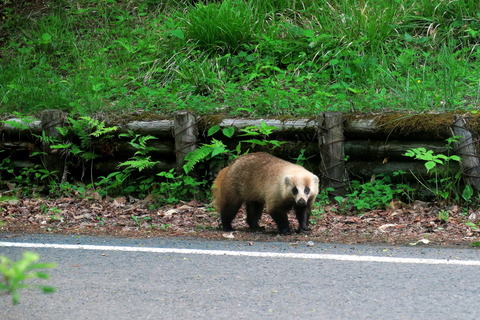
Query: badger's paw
{"type": "Point", "coordinates": [302, 229]}
{"type": "Point", "coordinates": [227, 228]}
{"type": "Point", "coordinates": [257, 229]}
{"type": "Point", "coordinates": [284, 230]}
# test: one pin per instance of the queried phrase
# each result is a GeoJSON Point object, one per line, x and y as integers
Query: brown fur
{"type": "Point", "coordinates": [258, 180]}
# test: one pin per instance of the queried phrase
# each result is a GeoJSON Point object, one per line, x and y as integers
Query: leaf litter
{"type": "Point", "coordinates": [419, 223]}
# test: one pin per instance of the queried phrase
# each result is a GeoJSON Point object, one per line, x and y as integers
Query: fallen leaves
{"type": "Point", "coordinates": [417, 223]}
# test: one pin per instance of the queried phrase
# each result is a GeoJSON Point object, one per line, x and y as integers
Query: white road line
{"type": "Point", "coordinates": [314, 256]}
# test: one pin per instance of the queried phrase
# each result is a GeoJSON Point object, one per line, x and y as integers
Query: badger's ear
{"type": "Point", "coordinates": [315, 179]}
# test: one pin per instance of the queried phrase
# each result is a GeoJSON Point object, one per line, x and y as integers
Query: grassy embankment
{"type": "Point", "coordinates": [249, 57]}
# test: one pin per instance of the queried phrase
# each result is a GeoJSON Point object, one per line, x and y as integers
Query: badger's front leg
{"type": "Point", "coordinates": [303, 217]}
{"type": "Point", "coordinates": [280, 217]}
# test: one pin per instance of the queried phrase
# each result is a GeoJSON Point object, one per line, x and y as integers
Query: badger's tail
{"type": "Point", "coordinates": [217, 189]}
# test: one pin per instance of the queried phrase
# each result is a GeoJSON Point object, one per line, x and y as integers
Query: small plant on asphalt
{"type": "Point", "coordinates": [15, 273]}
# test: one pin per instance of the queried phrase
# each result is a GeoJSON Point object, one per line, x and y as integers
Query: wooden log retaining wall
{"type": "Point", "coordinates": [338, 146]}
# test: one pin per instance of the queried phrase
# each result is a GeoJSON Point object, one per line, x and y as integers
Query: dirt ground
{"type": "Point", "coordinates": [419, 223]}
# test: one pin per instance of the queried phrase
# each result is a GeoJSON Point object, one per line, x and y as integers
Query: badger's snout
{"type": "Point", "coordinates": [301, 202]}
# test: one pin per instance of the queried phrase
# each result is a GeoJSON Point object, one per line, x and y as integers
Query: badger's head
{"type": "Point", "coordinates": [301, 187]}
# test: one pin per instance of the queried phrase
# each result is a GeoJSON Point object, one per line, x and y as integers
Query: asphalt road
{"type": "Point", "coordinates": [238, 280]}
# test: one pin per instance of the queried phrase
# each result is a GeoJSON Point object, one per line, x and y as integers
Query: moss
{"type": "Point", "coordinates": [206, 122]}
{"type": "Point", "coordinates": [122, 118]}
{"type": "Point", "coordinates": [404, 125]}
{"type": "Point", "coordinates": [473, 121]}
{"type": "Point", "coordinates": [415, 123]}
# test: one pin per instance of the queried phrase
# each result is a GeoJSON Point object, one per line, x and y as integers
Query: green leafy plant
{"type": "Point", "coordinates": [175, 187]}
{"type": "Point", "coordinates": [129, 180]}
{"type": "Point", "coordinates": [443, 183]}
{"type": "Point", "coordinates": [15, 273]}
{"type": "Point", "coordinates": [374, 194]}
{"type": "Point", "coordinates": [474, 226]}
{"type": "Point", "coordinates": [443, 215]}
{"type": "Point", "coordinates": [320, 202]}
{"type": "Point", "coordinates": [139, 220]}
{"type": "Point", "coordinates": [29, 180]}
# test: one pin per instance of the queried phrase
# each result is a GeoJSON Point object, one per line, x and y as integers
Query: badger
{"type": "Point", "coordinates": [261, 180]}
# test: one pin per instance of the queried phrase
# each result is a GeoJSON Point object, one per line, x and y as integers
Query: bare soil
{"type": "Point", "coordinates": [417, 223]}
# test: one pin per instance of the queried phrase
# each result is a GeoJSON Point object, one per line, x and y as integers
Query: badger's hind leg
{"type": "Point", "coordinates": [228, 211]}
{"type": "Point", "coordinates": [254, 212]}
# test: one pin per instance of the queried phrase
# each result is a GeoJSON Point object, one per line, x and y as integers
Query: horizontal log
{"type": "Point", "coordinates": [23, 164]}
{"type": "Point", "coordinates": [279, 124]}
{"type": "Point", "coordinates": [17, 146]}
{"type": "Point", "coordinates": [354, 149]}
{"type": "Point", "coordinates": [387, 126]}
{"type": "Point", "coordinates": [18, 125]}
{"type": "Point", "coordinates": [154, 128]}
{"type": "Point", "coordinates": [366, 169]}
{"type": "Point", "coordinates": [394, 149]}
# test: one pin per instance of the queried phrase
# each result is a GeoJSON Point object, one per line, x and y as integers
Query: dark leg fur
{"type": "Point", "coordinates": [303, 216]}
{"type": "Point", "coordinates": [254, 212]}
{"type": "Point", "coordinates": [280, 217]}
{"type": "Point", "coordinates": [227, 214]}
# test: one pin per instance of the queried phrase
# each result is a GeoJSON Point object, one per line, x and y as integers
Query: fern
{"type": "Point", "coordinates": [139, 163]}
{"type": "Point", "coordinates": [205, 152]}
{"type": "Point", "coordinates": [139, 142]}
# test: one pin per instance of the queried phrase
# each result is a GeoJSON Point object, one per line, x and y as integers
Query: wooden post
{"type": "Point", "coordinates": [332, 151]}
{"type": "Point", "coordinates": [466, 149]}
{"type": "Point", "coordinates": [50, 120]}
{"type": "Point", "coordinates": [185, 133]}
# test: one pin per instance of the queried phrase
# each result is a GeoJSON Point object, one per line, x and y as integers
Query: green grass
{"type": "Point", "coordinates": [251, 57]}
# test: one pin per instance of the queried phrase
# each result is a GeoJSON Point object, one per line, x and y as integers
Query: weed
{"type": "Point", "coordinates": [101, 221]}
{"type": "Point", "coordinates": [164, 226]}
{"type": "Point", "coordinates": [176, 187]}
{"type": "Point", "coordinates": [15, 273]}
{"type": "Point", "coordinates": [140, 220]}
{"type": "Point", "coordinates": [443, 183]}
{"type": "Point", "coordinates": [474, 226]}
{"type": "Point", "coordinates": [375, 194]}
{"type": "Point", "coordinates": [443, 215]}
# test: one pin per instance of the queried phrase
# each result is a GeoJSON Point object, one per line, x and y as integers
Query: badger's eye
{"type": "Point", "coordinates": [294, 190]}
{"type": "Point", "coordinates": [307, 190]}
